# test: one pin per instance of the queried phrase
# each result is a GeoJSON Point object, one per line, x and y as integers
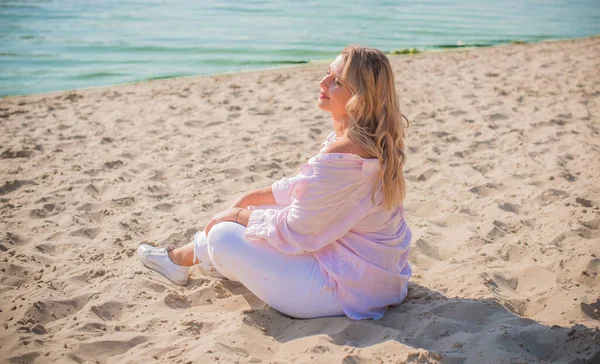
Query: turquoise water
{"type": "Point", "coordinates": [64, 44]}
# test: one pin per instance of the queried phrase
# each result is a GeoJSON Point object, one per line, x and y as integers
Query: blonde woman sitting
{"type": "Point", "coordinates": [332, 240]}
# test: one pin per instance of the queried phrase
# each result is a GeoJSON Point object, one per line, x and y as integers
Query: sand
{"type": "Point", "coordinates": [503, 178]}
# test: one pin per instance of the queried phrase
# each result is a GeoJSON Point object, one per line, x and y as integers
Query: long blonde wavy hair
{"type": "Point", "coordinates": [376, 123]}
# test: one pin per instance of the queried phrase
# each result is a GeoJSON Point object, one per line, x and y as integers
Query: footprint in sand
{"type": "Point", "coordinates": [214, 123]}
{"type": "Point", "coordinates": [250, 179]}
{"type": "Point", "coordinates": [584, 202]}
{"type": "Point", "coordinates": [568, 176]}
{"type": "Point", "coordinates": [92, 327]}
{"type": "Point", "coordinates": [496, 117]}
{"type": "Point", "coordinates": [586, 271]}
{"type": "Point", "coordinates": [193, 123]}
{"type": "Point", "coordinates": [450, 220]}
{"type": "Point", "coordinates": [499, 282]}
{"type": "Point", "coordinates": [14, 275]}
{"type": "Point", "coordinates": [447, 137]}
{"type": "Point", "coordinates": [512, 253]}
{"type": "Point", "coordinates": [429, 248]}
{"type": "Point", "coordinates": [10, 154]}
{"type": "Point", "coordinates": [91, 189]}
{"type": "Point", "coordinates": [420, 174]}
{"type": "Point", "coordinates": [263, 167]}
{"type": "Point", "coordinates": [231, 172]}
{"type": "Point", "coordinates": [89, 233]}
{"type": "Point", "coordinates": [124, 201]}
{"type": "Point", "coordinates": [88, 207]}
{"type": "Point", "coordinates": [155, 189]}
{"type": "Point", "coordinates": [164, 207]}
{"type": "Point", "coordinates": [25, 358]}
{"type": "Point", "coordinates": [193, 327]}
{"type": "Point", "coordinates": [10, 186]}
{"type": "Point", "coordinates": [509, 207]}
{"type": "Point", "coordinates": [592, 310]}
{"type": "Point", "coordinates": [557, 240]}
{"type": "Point", "coordinates": [529, 280]}
{"type": "Point", "coordinates": [51, 310]}
{"type": "Point", "coordinates": [108, 311]}
{"type": "Point", "coordinates": [46, 249]}
{"type": "Point", "coordinates": [177, 301]}
{"type": "Point", "coordinates": [114, 164]}
{"type": "Point", "coordinates": [549, 196]}
{"type": "Point", "coordinates": [457, 112]}
{"type": "Point", "coordinates": [8, 238]}
{"type": "Point", "coordinates": [585, 232]}
{"type": "Point", "coordinates": [48, 209]}
{"type": "Point", "coordinates": [100, 349]}
{"type": "Point", "coordinates": [484, 191]}
{"type": "Point", "coordinates": [497, 231]}
{"type": "Point", "coordinates": [593, 224]}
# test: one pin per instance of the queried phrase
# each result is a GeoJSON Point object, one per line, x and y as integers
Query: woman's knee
{"type": "Point", "coordinates": [221, 238]}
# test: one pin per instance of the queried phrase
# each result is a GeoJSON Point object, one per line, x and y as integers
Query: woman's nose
{"type": "Point", "coordinates": [322, 83]}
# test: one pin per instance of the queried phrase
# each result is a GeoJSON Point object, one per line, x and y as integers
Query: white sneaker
{"type": "Point", "coordinates": [158, 259]}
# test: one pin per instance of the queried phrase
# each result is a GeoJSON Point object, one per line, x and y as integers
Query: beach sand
{"type": "Point", "coordinates": [503, 177]}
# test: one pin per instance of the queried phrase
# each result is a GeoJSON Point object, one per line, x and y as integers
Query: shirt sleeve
{"type": "Point", "coordinates": [323, 211]}
{"type": "Point", "coordinates": [288, 187]}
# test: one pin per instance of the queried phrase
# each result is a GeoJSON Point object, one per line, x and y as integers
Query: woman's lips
{"type": "Point", "coordinates": [322, 96]}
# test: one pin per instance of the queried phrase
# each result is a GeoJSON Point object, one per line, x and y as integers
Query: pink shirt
{"type": "Point", "coordinates": [328, 213]}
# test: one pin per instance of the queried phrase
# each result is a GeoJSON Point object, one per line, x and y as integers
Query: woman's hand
{"type": "Point", "coordinates": [227, 215]}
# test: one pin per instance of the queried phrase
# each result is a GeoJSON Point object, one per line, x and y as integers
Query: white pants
{"type": "Point", "coordinates": [291, 284]}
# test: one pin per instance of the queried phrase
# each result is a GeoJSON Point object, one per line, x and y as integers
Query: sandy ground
{"type": "Point", "coordinates": [503, 199]}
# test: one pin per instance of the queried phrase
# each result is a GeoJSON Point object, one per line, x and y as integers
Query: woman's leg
{"type": "Point", "coordinates": [201, 257]}
{"type": "Point", "coordinates": [174, 263]}
{"type": "Point", "coordinates": [183, 255]}
{"type": "Point", "coordinates": [292, 284]}
{"type": "Point", "coordinates": [195, 251]}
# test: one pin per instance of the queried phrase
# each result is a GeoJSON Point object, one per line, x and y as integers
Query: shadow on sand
{"type": "Point", "coordinates": [453, 330]}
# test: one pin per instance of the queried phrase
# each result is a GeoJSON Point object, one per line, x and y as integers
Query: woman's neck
{"type": "Point", "coordinates": [340, 123]}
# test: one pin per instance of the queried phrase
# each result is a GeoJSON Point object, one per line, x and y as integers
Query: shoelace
{"type": "Point", "coordinates": [166, 249]}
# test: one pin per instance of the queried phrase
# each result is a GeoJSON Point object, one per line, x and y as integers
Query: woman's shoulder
{"type": "Point", "coordinates": [346, 146]}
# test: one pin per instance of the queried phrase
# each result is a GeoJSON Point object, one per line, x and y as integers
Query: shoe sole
{"type": "Point", "coordinates": [160, 270]}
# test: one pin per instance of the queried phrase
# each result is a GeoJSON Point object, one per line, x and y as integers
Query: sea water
{"type": "Point", "coordinates": [50, 45]}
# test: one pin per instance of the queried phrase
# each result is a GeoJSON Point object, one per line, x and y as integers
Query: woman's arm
{"type": "Point", "coordinates": [325, 207]}
{"type": "Point", "coordinates": [238, 211]}
{"type": "Point", "coordinates": [262, 196]}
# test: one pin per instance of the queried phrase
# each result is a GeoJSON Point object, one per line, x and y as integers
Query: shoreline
{"type": "Point", "coordinates": [310, 63]}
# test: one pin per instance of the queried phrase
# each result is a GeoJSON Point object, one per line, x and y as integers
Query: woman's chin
{"type": "Point", "coordinates": [320, 105]}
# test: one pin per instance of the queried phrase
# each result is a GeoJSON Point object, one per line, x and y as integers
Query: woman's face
{"type": "Point", "coordinates": [334, 94]}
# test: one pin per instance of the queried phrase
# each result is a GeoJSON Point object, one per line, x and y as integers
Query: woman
{"type": "Point", "coordinates": [331, 240]}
